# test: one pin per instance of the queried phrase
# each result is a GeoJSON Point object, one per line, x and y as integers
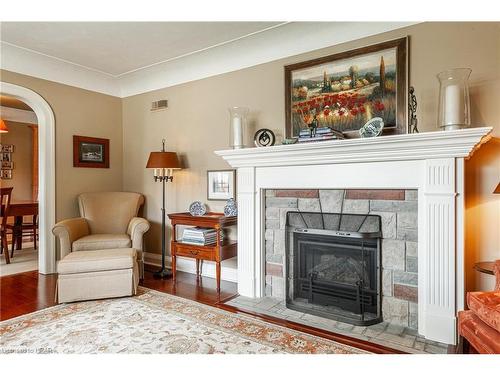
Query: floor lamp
{"type": "Point", "coordinates": [163, 163]}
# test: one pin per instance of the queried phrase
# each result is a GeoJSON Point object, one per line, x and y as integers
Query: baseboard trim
{"type": "Point", "coordinates": [189, 265]}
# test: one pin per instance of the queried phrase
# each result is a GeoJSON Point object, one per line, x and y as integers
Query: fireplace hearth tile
{"type": "Point", "coordinates": [407, 234]}
{"type": "Point", "coordinates": [331, 200]}
{"type": "Point", "coordinates": [408, 293]}
{"type": "Point", "coordinates": [398, 254]}
{"type": "Point", "coordinates": [387, 283]}
{"type": "Point", "coordinates": [309, 205]}
{"type": "Point", "coordinates": [302, 193]}
{"type": "Point", "coordinates": [356, 206]}
{"type": "Point", "coordinates": [408, 220]}
{"type": "Point", "coordinates": [393, 206]}
{"type": "Point", "coordinates": [411, 249]}
{"type": "Point", "coordinates": [413, 320]}
{"type": "Point", "coordinates": [411, 195]}
{"type": "Point", "coordinates": [407, 278]}
{"type": "Point", "coordinates": [272, 213]}
{"type": "Point", "coordinates": [395, 311]}
{"type": "Point", "coordinates": [382, 194]}
{"type": "Point", "coordinates": [281, 202]}
{"type": "Point", "coordinates": [411, 264]}
{"type": "Point", "coordinates": [393, 254]}
{"type": "Point", "coordinates": [391, 335]}
{"type": "Point", "coordinates": [389, 229]}
{"type": "Point", "coordinates": [274, 269]}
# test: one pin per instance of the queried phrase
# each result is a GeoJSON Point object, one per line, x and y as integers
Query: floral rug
{"type": "Point", "coordinates": [153, 322]}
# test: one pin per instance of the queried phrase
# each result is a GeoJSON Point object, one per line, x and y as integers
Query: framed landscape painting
{"type": "Point", "coordinates": [345, 90]}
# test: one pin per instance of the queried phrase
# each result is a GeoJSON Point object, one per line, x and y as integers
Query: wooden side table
{"type": "Point", "coordinates": [485, 267]}
{"type": "Point", "coordinates": [221, 250]}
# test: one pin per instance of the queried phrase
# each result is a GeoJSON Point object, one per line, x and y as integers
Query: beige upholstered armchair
{"type": "Point", "coordinates": [108, 221]}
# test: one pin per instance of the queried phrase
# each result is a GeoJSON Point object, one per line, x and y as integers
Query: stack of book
{"type": "Point", "coordinates": [199, 236]}
{"type": "Point", "coordinates": [321, 134]}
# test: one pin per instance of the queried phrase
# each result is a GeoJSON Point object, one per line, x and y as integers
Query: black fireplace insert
{"type": "Point", "coordinates": [333, 266]}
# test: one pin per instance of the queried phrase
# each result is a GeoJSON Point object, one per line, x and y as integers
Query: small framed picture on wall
{"type": "Point", "coordinates": [89, 152]}
{"type": "Point", "coordinates": [221, 185]}
{"type": "Point", "coordinates": [7, 148]}
{"type": "Point", "coordinates": [7, 165]}
{"type": "Point", "coordinates": [6, 156]}
{"type": "Point", "coordinates": [6, 174]}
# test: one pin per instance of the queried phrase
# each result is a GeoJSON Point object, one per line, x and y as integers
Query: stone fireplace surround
{"type": "Point", "coordinates": [432, 163]}
{"type": "Point", "coordinates": [398, 211]}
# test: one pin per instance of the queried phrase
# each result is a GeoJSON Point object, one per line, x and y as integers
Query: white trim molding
{"type": "Point", "coordinates": [228, 270]}
{"type": "Point", "coordinates": [46, 171]}
{"type": "Point", "coordinates": [430, 162]}
{"type": "Point", "coordinates": [18, 115]}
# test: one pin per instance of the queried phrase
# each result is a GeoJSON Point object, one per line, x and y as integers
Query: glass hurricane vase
{"type": "Point", "coordinates": [454, 102]}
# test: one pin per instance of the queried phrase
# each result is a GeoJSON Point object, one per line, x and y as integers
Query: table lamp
{"type": "Point", "coordinates": [163, 163]}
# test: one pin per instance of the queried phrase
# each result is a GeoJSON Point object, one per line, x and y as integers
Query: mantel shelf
{"type": "Point", "coordinates": [418, 146]}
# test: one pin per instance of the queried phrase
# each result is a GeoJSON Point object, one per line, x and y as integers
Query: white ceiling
{"type": "Point", "coordinates": [129, 58]}
{"type": "Point", "coordinates": [117, 48]}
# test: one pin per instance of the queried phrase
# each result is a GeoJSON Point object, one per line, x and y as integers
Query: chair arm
{"type": "Point", "coordinates": [136, 229]}
{"type": "Point", "coordinates": [69, 231]}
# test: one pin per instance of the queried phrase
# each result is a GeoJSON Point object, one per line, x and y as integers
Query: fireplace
{"type": "Point", "coordinates": [430, 163]}
{"type": "Point", "coordinates": [333, 266]}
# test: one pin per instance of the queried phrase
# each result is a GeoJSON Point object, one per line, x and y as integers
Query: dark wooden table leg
{"type": "Point", "coordinates": [198, 270]}
{"type": "Point", "coordinates": [174, 268]}
{"type": "Point", "coordinates": [17, 234]}
{"type": "Point", "coordinates": [217, 275]}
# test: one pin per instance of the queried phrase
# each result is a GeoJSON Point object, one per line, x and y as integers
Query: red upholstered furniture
{"type": "Point", "coordinates": [480, 326]}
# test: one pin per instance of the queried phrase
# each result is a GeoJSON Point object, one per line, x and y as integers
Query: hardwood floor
{"type": "Point", "coordinates": [30, 291]}
{"type": "Point", "coordinates": [26, 292]}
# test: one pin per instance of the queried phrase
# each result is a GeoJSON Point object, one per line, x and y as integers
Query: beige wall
{"type": "Point", "coordinates": [21, 136]}
{"type": "Point", "coordinates": [196, 122]}
{"type": "Point", "coordinates": [78, 112]}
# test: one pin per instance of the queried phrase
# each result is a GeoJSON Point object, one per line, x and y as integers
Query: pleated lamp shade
{"type": "Point", "coordinates": [3, 127]}
{"type": "Point", "coordinates": [163, 159]}
{"type": "Point", "coordinates": [497, 190]}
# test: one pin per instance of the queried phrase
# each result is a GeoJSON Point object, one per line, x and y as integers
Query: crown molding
{"type": "Point", "coordinates": [285, 40]}
{"type": "Point", "coordinates": [25, 61]}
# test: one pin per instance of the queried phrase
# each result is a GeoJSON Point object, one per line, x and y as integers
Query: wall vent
{"type": "Point", "coordinates": [159, 104]}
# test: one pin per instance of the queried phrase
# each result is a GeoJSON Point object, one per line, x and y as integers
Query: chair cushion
{"type": "Point", "coordinates": [102, 241]}
{"type": "Point", "coordinates": [480, 335]}
{"type": "Point", "coordinates": [486, 305]}
{"type": "Point", "coordinates": [97, 260]}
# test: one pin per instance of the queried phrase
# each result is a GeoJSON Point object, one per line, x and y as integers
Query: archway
{"type": "Point", "coordinates": [46, 171]}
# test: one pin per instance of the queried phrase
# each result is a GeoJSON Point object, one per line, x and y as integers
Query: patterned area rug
{"type": "Point", "coordinates": [153, 322]}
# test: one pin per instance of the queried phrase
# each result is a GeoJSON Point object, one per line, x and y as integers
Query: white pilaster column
{"type": "Point", "coordinates": [438, 252]}
{"type": "Point", "coordinates": [246, 232]}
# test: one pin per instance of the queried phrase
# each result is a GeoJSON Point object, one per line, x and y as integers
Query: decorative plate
{"type": "Point", "coordinates": [264, 138]}
{"type": "Point", "coordinates": [230, 209]}
{"type": "Point", "coordinates": [372, 128]}
{"type": "Point", "coordinates": [197, 208]}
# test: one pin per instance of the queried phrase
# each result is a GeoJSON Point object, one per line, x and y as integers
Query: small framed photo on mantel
{"type": "Point", "coordinates": [89, 152]}
{"type": "Point", "coordinates": [221, 185]}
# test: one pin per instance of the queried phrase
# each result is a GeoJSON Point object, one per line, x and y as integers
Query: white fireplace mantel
{"type": "Point", "coordinates": [430, 162]}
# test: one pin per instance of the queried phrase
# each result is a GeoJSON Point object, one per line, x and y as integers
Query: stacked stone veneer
{"type": "Point", "coordinates": [398, 210]}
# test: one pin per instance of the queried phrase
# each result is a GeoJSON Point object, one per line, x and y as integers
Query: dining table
{"type": "Point", "coordinates": [19, 209]}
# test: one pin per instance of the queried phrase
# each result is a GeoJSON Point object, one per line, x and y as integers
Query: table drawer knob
{"type": "Point", "coordinates": [194, 252]}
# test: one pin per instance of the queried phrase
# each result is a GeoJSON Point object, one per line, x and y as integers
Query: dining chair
{"type": "Point", "coordinates": [5, 196]}
{"type": "Point", "coordinates": [29, 229]}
